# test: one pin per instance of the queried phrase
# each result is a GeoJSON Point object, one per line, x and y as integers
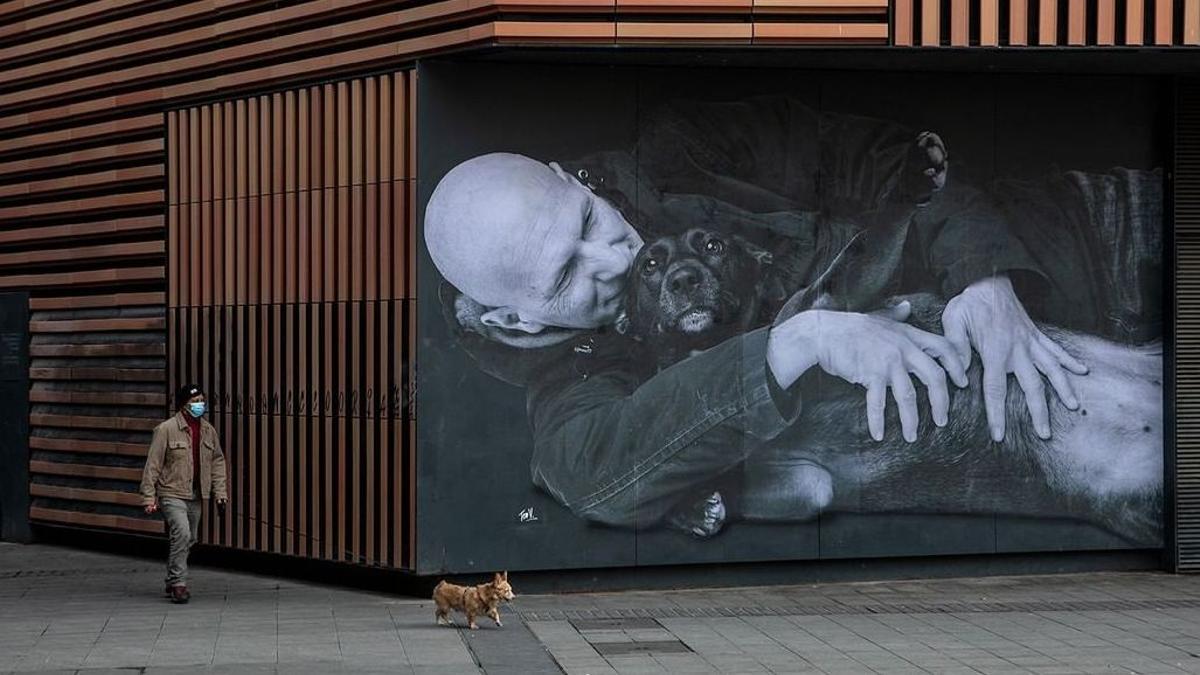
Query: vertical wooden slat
{"type": "Point", "coordinates": [989, 23]}
{"type": "Point", "coordinates": [1047, 22]}
{"type": "Point", "coordinates": [218, 207]}
{"type": "Point", "coordinates": [1018, 22]}
{"type": "Point", "coordinates": [1135, 17]}
{"type": "Point", "coordinates": [1106, 22]}
{"type": "Point", "coordinates": [173, 173]}
{"type": "Point", "coordinates": [902, 24]}
{"type": "Point", "coordinates": [410, 229]}
{"type": "Point", "coordinates": [241, 188]}
{"type": "Point", "coordinates": [1191, 22]}
{"type": "Point", "coordinates": [1164, 27]}
{"type": "Point", "coordinates": [960, 22]}
{"type": "Point", "coordinates": [1076, 22]}
{"type": "Point", "coordinates": [931, 18]}
{"type": "Point", "coordinates": [386, 123]}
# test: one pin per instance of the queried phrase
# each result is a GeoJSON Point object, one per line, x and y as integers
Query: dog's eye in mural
{"type": "Point", "coordinates": [810, 304]}
{"type": "Point", "coordinates": [650, 267]}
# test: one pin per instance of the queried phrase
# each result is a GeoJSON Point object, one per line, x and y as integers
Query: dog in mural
{"type": "Point", "coordinates": [483, 599]}
{"type": "Point", "coordinates": [1103, 463]}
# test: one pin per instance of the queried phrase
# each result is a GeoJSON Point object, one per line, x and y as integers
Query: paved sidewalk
{"type": "Point", "coordinates": [71, 611]}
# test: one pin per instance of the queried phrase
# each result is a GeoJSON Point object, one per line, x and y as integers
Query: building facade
{"type": "Point", "coordinates": [237, 194]}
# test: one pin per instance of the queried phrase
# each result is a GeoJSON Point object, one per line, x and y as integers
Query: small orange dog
{"type": "Point", "coordinates": [472, 600]}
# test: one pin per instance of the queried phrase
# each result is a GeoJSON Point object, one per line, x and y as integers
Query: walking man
{"type": "Point", "coordinates": [184, 466]}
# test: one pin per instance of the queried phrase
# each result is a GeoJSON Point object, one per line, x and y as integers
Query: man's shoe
{"type": "Point", "coordinates": [180, 595]}
{"type": "Point", "coordinates": [167, 592]}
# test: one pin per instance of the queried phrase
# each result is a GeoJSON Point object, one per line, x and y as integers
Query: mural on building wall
{"type": "Point", "coordinates": [767, 312]}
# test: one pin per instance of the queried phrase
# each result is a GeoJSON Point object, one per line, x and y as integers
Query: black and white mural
{"type": "Point", "coordinates": [687, 315]}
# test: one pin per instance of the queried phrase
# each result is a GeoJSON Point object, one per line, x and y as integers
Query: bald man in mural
{"type": "Point", "coordinates": [541, 258]}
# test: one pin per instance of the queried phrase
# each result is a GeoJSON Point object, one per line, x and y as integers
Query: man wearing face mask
{"type": "Point", "coordinates": [184, 466]}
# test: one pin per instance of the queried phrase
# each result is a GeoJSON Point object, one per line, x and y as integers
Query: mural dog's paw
{"type": "Point", "coordinates": [702, 518]}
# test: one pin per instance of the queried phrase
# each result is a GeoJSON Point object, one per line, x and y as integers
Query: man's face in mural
{"type": "Point", "coordinates": [531, 242]}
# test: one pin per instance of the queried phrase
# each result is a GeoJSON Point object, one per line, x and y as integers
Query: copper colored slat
{"type": "Point", "coordinates": [989, 23]}
{"type": "Point", "coordinates": [1163, 22]}
{"type": "Point", "coordinates": [1135, 16]}
{"type": "Point", "coordinates": [221, 250]}
{"type": "Point", "coordinates": [931, 28]}
{"type": "Point", "coordinates": [91, 422]}
{"type": "Point", "coordinates": [356, 132]}
{"type": "Point", "coordinates": [104, 300]}
{"type": "Point", "coordinates": [254, 448]}
{"type": "Point", "coordinates": [368, 387]}
{"type": "Point", "coordinates": [97, 397]}
{"type": "Point", "coordinates": [329, 449]}
{"type": "Point", "coordinates": [206, 158]}
{"type": "Point", "coordinates": [76, 231]}
{"type": "Point", "coordinates": [42, 514]}
{"type": "Point", "coordinates": [819, 33]}
{"type": "Point", "coordinates": [97, 350]}
{"type": "Point", "coordinates": [97, 324]}
{"type": "Point", "coordinates": [1076, 22]}
{"type": "Point", "coordinates": [290, 241]}
{"type": "Point", "coordinates": [84, 494]}
{"type": "Point", "coordinates": [303, 246]}
{"type": "Point", "coordinates": [277, 440]}
{"type": "Point", "coordinates": [85, 471]}
{"type": "Point", "coordinates": [1191, 22]}
{"type": "Point", "coordinates": [698, 32]}
{"type": "Point", "coordinates": [387, 128]}
{"type": "Point", "coordinates": [410, 205]}
{"type": "Point", "coordinates": [960, 19]}
{"type": "Point", "coordinates": [112, 179]}
{"type": "Point", "coordinates": [303, 383]}
{"type": "Point", "coordinates": [275, 259]}
{"type": "Point", "coordinates": [1106, 22]}
{"type": "Point", "coordinates": [218, 207]}
{"type": "Point", "coordinates": [87, 254]}
{"type": "Point", "coordinates": [1047, 22]}
{"type": "Point", "coordinates": [99, 373]}
{"type": "Point", "coordinates": [240, 457]}
{"type": "Point", "coordinates": [132, 200]}
{"type": "Point", "coordinates": [87, 447]}
{"type": "Point", "coordinates": [902, 35]}
{"type": "Point", "coordinates": [340, 448]}
{"type": "Point", "coordinates": [353, 418]}
{"type": "Point", "coordinates": [73, 280]}
{"type": "Point", "coordinates": [241, 213]}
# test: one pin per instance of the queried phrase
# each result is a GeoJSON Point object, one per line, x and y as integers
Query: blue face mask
{"type": "Point", "coordinates": [197, 409]}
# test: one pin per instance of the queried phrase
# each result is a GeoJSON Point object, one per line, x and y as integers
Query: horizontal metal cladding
{"type": "Point", "coordinates": [291, 298]}
{"type": "Point", "coordinates": [1043, 23]}
{"type": "Point", "coordinates": [1186, 203]}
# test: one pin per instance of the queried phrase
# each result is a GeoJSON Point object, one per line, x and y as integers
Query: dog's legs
{"type": "Point", "coordinates": [471, 620]}
{"type": "Point", "coordinates": [494, 613]}
{"type": "Point", "coordinates": [443, 616]}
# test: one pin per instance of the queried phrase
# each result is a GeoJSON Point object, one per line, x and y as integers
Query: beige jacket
{"type": "Point", "coordinates": [168, 471]}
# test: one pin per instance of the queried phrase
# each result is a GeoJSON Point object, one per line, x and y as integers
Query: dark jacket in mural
{"type": "Point", "coordinates": [615, 442]}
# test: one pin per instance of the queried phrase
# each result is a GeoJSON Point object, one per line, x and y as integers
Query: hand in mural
{"type": "Point", "coordinates": [988, 316]}
{"type": "Point", "coordinates": [878, 351]}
